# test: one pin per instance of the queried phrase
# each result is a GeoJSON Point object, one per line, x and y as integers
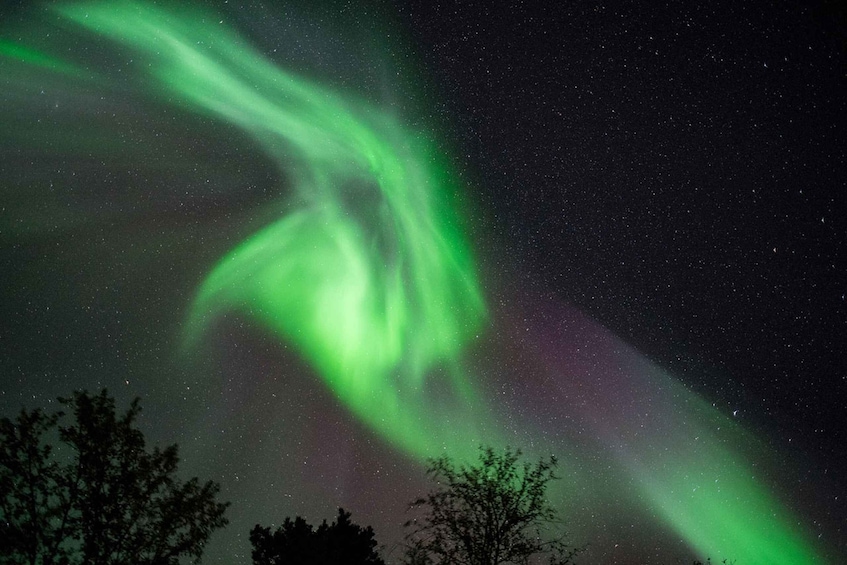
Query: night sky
{"type": "Point", "coordinates": [325, 243]}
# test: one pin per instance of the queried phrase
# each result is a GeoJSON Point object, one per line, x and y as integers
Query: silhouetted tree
{"type": "Point", "coordinates": [489, 513]}
{"type": "Point", "coordinates": [297, 543]}
{"type": "Point", "coordinates": [99, 497]}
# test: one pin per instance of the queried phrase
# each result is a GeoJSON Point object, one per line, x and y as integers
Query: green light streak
{"type": "Point", "coordinates": [731, 517]}
{"type": "Point", "coordinates": [710, 494]}
{"type": "Point", "coordinates": [29, 56]}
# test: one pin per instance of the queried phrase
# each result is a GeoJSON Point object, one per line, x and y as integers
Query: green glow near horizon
{"type": "Point", "coordinates": [369, 275]}
{"type": "Point", "coordinates": [710, 494]}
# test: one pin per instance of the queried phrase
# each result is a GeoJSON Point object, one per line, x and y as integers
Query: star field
{"type": "Point", "coordinates": [323, 243]}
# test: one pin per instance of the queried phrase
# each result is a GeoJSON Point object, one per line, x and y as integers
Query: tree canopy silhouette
{"type": "Point", "coordinates": [297, 543]}
{"type": "Point", "coordinates": [489, 513]}
{"type": "Point", "coordinates": [99, 496]}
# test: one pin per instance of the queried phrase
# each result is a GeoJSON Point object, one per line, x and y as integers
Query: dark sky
{"type": "Point", "coordinates": [668, 177]}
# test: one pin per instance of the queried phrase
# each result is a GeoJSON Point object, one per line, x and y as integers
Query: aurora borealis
{"type": "Point", "coordinates": [282, 232]}
{"type": "Point", "coordinates": [375, 304]}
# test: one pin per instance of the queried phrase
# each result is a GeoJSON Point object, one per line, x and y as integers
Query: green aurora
{"type": "Point", "coordinates": [369, 275]}
{"type": "Point", "coordinates": [374, 310]}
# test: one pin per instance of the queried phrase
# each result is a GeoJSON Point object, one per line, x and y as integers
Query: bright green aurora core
{"type": "Point", "coordinates": [376, 302]}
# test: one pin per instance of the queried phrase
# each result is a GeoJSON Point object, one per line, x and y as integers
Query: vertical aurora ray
{"type": "Point", "coordinates": [368, 273]}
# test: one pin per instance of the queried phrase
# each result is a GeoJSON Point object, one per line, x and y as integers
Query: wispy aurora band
{"type": "Point", "coordinates": [373, 312]}
{"type": "Point", "coordinates": [383, 306]}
